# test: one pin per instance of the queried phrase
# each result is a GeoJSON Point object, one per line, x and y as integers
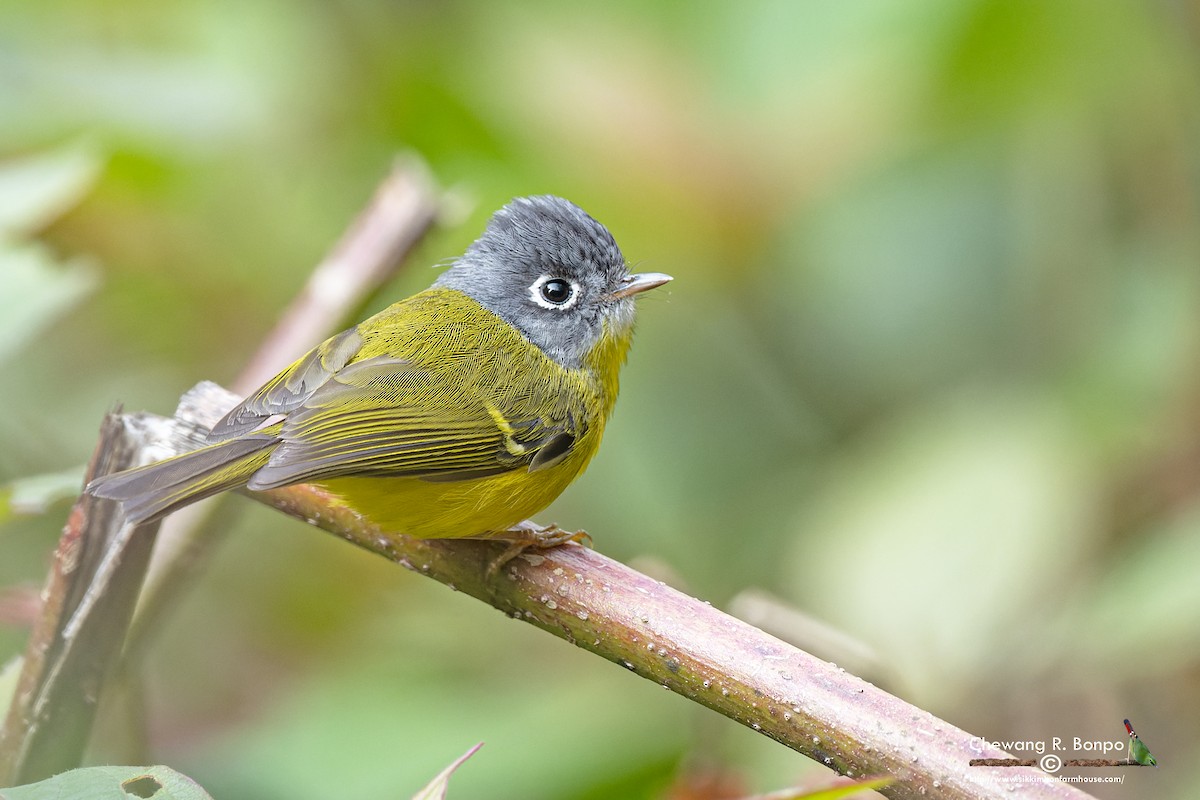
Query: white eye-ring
{"type": "Point", "coordinates": [551, 291]}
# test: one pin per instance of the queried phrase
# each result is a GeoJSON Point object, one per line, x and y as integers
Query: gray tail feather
{"type": "Point", "coordinates": [151, 492]}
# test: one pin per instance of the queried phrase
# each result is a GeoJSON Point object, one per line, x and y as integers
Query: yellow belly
{"type": "Point", "coordinates": [433, 510]}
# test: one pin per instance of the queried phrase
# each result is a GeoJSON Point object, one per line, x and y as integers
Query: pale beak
{"type": "Point", "coordinates": [633, 284]}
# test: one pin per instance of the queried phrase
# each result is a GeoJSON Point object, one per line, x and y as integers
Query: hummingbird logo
{"type": "Point", "coordinates": [1138, 752]}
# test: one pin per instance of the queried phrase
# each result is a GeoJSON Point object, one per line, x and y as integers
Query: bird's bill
{"type": "Point", "coordinates": [635, 284]}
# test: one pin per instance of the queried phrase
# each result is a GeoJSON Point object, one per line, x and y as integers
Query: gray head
{"type": "Point", "coordinates": [553, 273]}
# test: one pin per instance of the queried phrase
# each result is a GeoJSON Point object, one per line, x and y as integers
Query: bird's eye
{"type": "Point", "coordinates": [556, 291]}
{"type": "Point", "coordinates": [551, 292]}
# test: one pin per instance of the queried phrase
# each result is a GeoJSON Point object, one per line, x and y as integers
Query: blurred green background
{"type": "Point", "coordinates": [929, 370]}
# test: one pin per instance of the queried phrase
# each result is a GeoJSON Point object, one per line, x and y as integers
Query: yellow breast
{"type": "Point", "coordinates": [431, 510]}
{"type": "Point", "coordinates": [507, 373]}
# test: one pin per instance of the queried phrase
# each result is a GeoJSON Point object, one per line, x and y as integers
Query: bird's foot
{"type": "Point", "coordinates": [528, 534]}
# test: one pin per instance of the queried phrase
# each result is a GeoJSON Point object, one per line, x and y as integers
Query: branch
{"type": "Point", "coordinates": [89, 599]}
{"type": "Point", "coordinates": [684, 645]}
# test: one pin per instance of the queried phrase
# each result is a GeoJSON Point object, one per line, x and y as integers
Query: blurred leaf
{"type": "Point", "coordinates": [111, 783]}
{"type": "Point", "coordinates": [903, 278]}
{"type": "Point", "coordinates": [1009, 59]}
{"type": "Point", "coordinates": [1143, 616]}
{"type": "Point", "coordinates": [832, 793]}
{"type": "Point", "coordinates": [436, 790]}
{"type": "Point", "coordinates": [35, 494]}
{"type": "Point", "coordinates": [34, 291]}
{"type": "Point", "coordinates": [34, 190]}
{"type": "Point", "coordinates": [964, 517]}
{"type": "Point", "coordinates": [9, 674]}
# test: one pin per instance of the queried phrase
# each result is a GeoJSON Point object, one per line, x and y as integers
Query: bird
{"type": "Point", "coordinates": [1138, 752]}
{"type": "Point", "coordinates": [459, 412]}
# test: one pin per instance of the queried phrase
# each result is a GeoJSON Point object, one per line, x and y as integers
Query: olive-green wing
{"type": "Point", "coordinates": [383, 416]}
{"type": "Point", "coordinates": [290, 389]}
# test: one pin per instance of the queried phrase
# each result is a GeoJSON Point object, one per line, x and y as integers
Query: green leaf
{"type": "Point", "coordinates": [111, 783]}
{"type": "Point", "coordinates": [838, 792]}
{"type": "Point", "coordinates": [832, 793]}
{"type": "Point", "coordinates": [436, 789]}
{"type": "Point", "coordinates": [35, 494]}
{"type": "Point", "coordinates": [35, 290]}
{"type": "Point", "coordinates": [10, 673]}
{"type": "Point", "coordinates": [36, 189]}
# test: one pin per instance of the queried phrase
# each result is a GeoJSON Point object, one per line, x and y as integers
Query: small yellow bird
{"type": "Point", "coordinates": [458, 412]}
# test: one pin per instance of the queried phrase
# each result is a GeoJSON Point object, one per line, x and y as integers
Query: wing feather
{"type": "Point", "coordinates": [378, 418]}
{"type": "Point", "coordinates": [291, 388]}
{"type": "Point", "coordinates": [400, 396]}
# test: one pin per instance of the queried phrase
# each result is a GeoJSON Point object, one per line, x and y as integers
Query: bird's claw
{"type": "Point", "coordinates": [529, 534]}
